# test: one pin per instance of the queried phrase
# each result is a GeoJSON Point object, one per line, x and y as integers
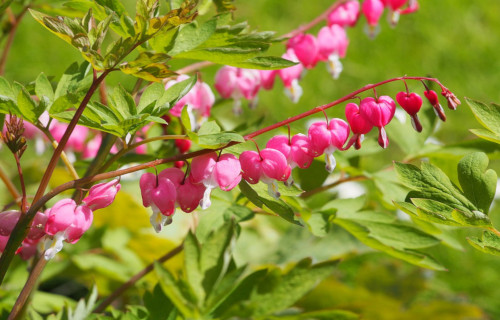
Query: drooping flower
{"type": "Point", "coordinates": [198, 101]}
{"type": "Point", "coordinates": [213, 171]}
{"type": "Point", "coordinates": [237, 83]}
{"type": "Point", "coordinates": [159, 193]}
{"type": "Point", "coordinates": [333, 44]}
{"type": "Point", "coordinates": [66, 221]}
{"type": "Point", "coordinates": [76, 141]}
{"type": "Point", "coordinates": [189, 195]}
{"type": "Point", "coordinates": [102, 195]}
{"type": "Point", "coordinates": [9, 219]}
{"type": "Point", "coordinates": [359, 125]}
{"type": "Point", "coordinates": [345, 14]}
{"type": "Point", "coordinates": [327, 138]}
{"type": "Point", "coordinates": [411, 103]}
{"type": "Point", "coordinates": [290, 77]}
{"type": "Point", "coordinates": [296, 150]}
{"type": "Point", "coordinates": [372, 9]}
{"type": "Point", "coordinates": [267, 78]}
{"type": "Point", "coordinates": [379, 112]}
{"type": "Point", "coordinates": [268, 166]}
{"type": "Point", "coordinates": [305, 47]}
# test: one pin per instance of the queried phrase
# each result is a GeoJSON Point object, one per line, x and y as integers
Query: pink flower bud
{"type": "Point", "coordinates": [345, 14]}
{"type": "Point", "coordinates": [213, 171]}
{"type": "Point", "coordinates": [411, 103]}
{"type": "Point", "coordinates": [327, 138]}
{"type": "Point", "coordinates": [433, 99]}
{"type": "Point", "coordinates": [359, 125]}
{"type": "Point", "coordinates": [453, 101]}
{"type": "Point", "coordinates": [268, 166]}
{"type": "Point", "coordinates": [102, 195]}
{"type": "Point", "coordinates": [379, 112]}
{"type": "Point", "coordinates": [305, 47]}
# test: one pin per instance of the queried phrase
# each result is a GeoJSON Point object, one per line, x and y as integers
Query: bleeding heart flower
{"type": "Point", "coordinates": [372, 9]}
{"type": "Point", "coordinates": [199, 101]}
{"type": "Point", "coordinates": [66, 221]}
{"type": "Point", "coordinates": [76, 141]}
{"type": "Point", "coordinates": [268, 166]}
{"type": "Point", "coordinates": [305, 47]}
{"type": "Point", "coordinates": [160, 194]}
{"type": "Point", "coordinates": [213, 172]}
{"type": "Point", "coordinates": [237, 83]}
{"type": "Point", "coordinates": [297, 151]}
{"type": "Point", "coordinates": [9, 219]}
{"type": "Point", "coordinates": [183, 145]}
{"type": "Point", "coordinates": [379, 112]}
{"type": "Point", "coordinates": [290, 77]}
{"type": "Point", "coordinates": [333, 44]}
{"type": "Point", "coordinates": [411, 103]}
{"type": "Point", "coordinates": [327, 138]}
{"type": "Point", "coordinates": [267, 78]}
{"type": "Point", "coordinates": [345, 14]}
{"type": "Point", "coordinates": [359, 125]}
{"type": "Point", "coordinates": [189, 195]}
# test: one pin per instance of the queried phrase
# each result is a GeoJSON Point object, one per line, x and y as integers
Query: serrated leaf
{"type": "Point", "coordinates": [74, 81]}
{"type": "Point", "coordinates": [477, 181]}
{"type": "Point", "coordinates": [487, 115]}
{"type": "Point", "coordinates": [489, 243]}
{"type": "Point", "coordinates": [472, 219]}
{"type": "Point", "coordinates": [433, 184]}
{"type": "Point", "coordinates": [429, 210]}
{"type": "Point", "coordinates": [411, 256]}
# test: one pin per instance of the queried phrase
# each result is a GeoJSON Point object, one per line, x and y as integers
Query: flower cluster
{"type": "Point", "coordinates": [307, 50]}
{"type": "Point", "coordinates": [65, 221]}
{"type": "Point", "coordinates": [173, 188]}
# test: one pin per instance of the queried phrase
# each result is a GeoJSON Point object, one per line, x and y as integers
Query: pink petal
{"type": "Point", "coordinates": [227, 172]}
{"type": "Point", "coordinates": [250, 162]}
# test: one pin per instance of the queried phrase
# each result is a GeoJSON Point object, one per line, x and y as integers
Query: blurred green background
{"type": "Point", "coordinates": [456, 41]}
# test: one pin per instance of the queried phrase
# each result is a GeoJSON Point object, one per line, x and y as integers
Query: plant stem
{"type": "Point", "coordinates": [10, 187]}
{"type": "Point", "coordinates": [25, 293]}
{"type": "Point", "coordinates": [21, 228]}
{"type": "Point", "coordinates": [10, 39]}
{"type": "Point", "coordinates": [312, 192]}
{"type": "Point", "coordinates": [135, 145]}
{"type": "Point", "coordinates": [118, 292]}
{"type": "Point", "coordinates": [21, 179]}
{"type": "Point", "coordinates": [64, 158]}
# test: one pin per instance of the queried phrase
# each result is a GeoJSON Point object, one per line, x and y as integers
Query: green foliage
{"type": "Point", "coordinates": [436, 199]}
{"type": "Point", "coordinates": [489, 117]}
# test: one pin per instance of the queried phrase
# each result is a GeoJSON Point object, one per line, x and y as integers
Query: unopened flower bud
{"type": "Point", "coordinates": [102, 195]}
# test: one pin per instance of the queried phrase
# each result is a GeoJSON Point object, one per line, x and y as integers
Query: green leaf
{"type": "Point", "coordinates": [75, 81]}
{"type": "Point", "coordinates": [158, 305]}
{"type": "Point", "coordinates": [277, 292]}
{"type": "Point", "coordinates": [238, 213]}
{"type": "Point", "coordinates": [364, 235]}
{"type": "Point", "coordinates": [194, 274]}
{"type": "Point", "coordinates": [429, 210]}
{"type": "Point", "coordinates": [487, 115]}
{"type": "Point", "coordinates": [27, 106]}
{"type": "Point", "coordinates": [432, 183]}
{"type": "Point", "coordinates": [108, 267]}
{"type": "Point", "coordinates": [472, 219]}
{"type": "Point", "coordinates": [43, 87]}
{"type": "Point", "coordinates": [314, 176]}
{"type": "Point", "coordinates": [477, 181]}
{"type": "Point", "coordinates": [191, 35]}
{"type": "Point", "coordinates": [224, 5]}
{"type": "Point", "coordinates": [186, 121]}
{"type": "Point", "coordinates": [171, 289]}
{"type": "Point", "coordinates": [209, 136]}
{"type": "Point", "coordinates": [223, 289]}
{"type": "Point", "coordinates": [277, 206]}
{"type": "Point", "coordinates": [266, 63]}
{"type": "Point", "coordinates": [489, 243]}
{"type": "Point", "coordinates": [123, 102]}
{"type": "Point", "coordinates": [149, 66]}
{"type": "Point", "coordinates": [319, 315]}
{"type": "Point", "coordinates": [486, 135]}
{"type": "Point", "coordinates": [150, 95]}
{"type": "Point", "coordinates": [173, 94]}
